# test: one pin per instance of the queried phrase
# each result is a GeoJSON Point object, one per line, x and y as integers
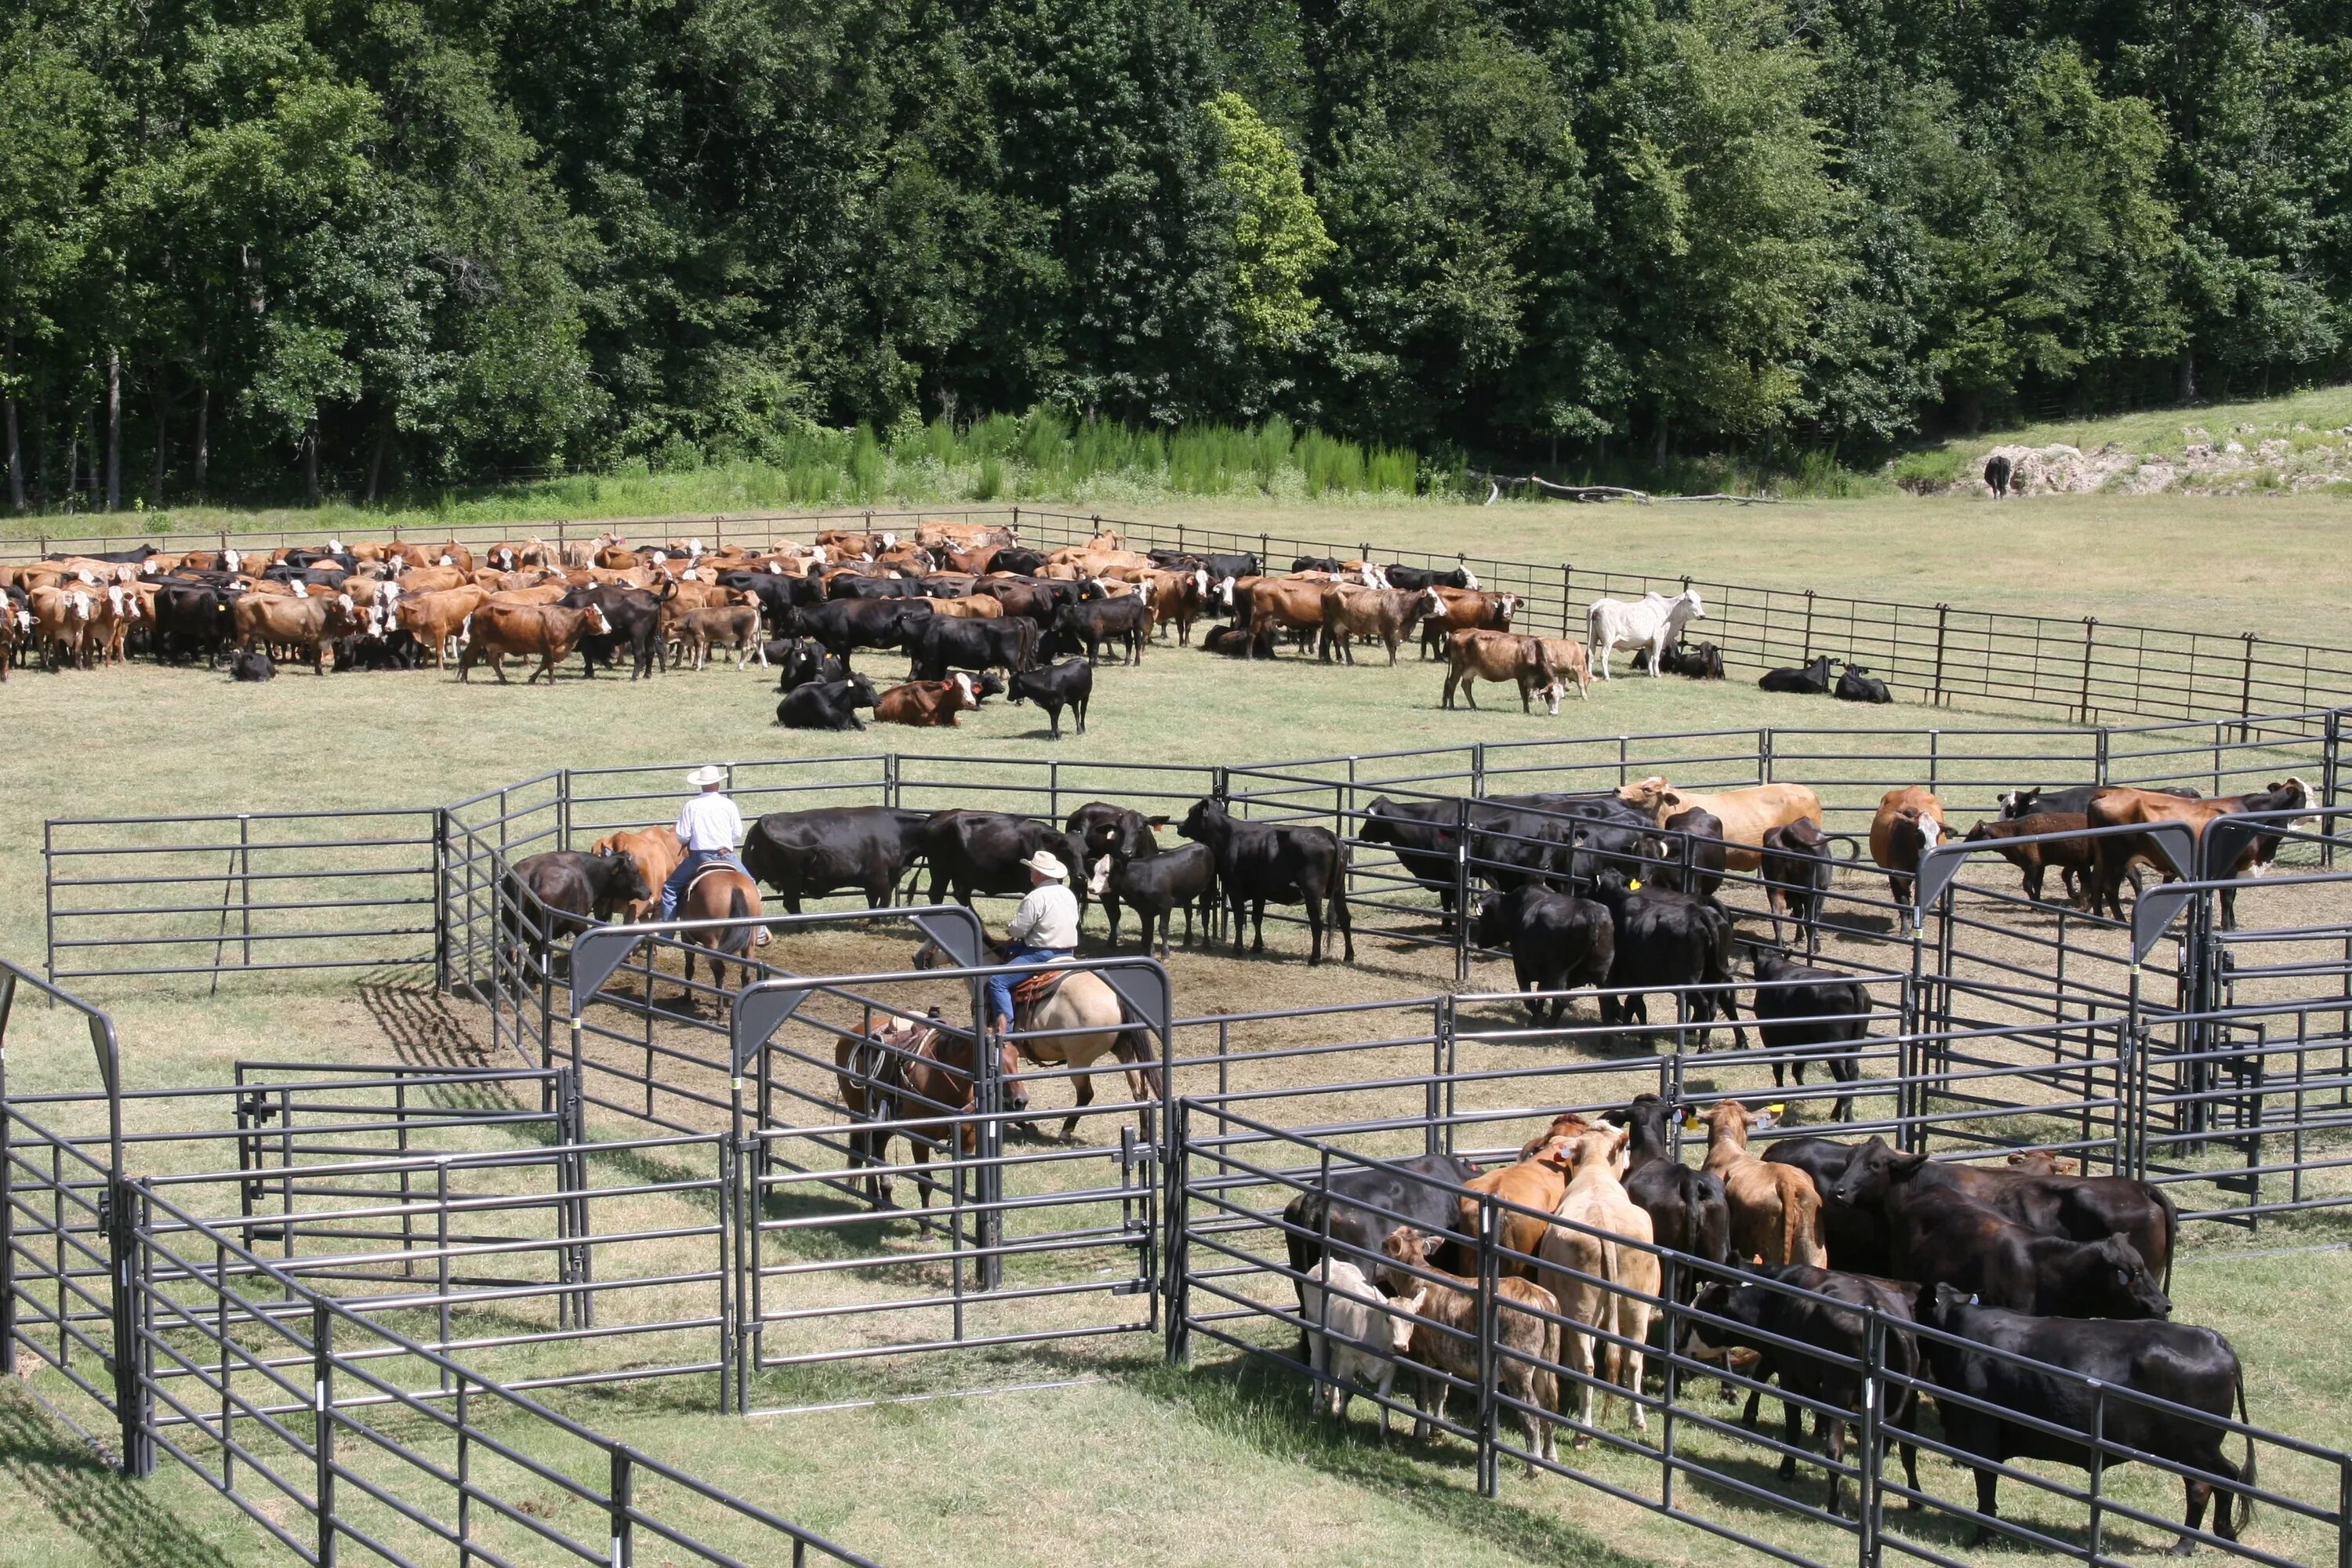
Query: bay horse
{"type": "Point", "coordinates": [719, 892]}
{"type": "Point", "coordinates": [901, 1072]}
{"type": "Point", "coordinates": [1084, 1003]}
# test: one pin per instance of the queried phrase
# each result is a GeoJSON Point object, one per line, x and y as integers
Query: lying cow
{"type": "Point", "coordinates": [1855, 684]}
{"type": "Point", "coordinates": [928, 703]}
{"type": "Point", "coordinates": [826, 704]}
{"type": "Point", "coordinates": [1805, 680]}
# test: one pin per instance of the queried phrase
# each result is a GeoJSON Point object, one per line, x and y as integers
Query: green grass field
{"type": "Point", "coordinates": [1216, 1466]}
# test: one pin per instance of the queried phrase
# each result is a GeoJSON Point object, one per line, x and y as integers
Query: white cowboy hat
{"type": "Point", "coordinates": [1046, 865]}
{"type": "Point", "coordinates": [704, 777]}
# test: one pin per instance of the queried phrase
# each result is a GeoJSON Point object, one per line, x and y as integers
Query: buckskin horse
{"type": "Point", "coordinates": [905, 1071]}
{"type": "Point", "coordinates": [1084, 1005]}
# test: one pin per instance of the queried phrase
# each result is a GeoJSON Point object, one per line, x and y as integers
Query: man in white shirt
{"type": "Point", "coordinates": [1045, 928]}
{"type": "Point", "coordinates": [710, 827]}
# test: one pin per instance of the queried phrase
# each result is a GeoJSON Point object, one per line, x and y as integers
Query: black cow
{"type": "Point", "coordinates": [826, 704]}
{"type": "Point", "coordinates": [2087, 1208]}
{"type": "Point", "coordinates": [1557, 941]}
{"type": "Point", "coordinates": [251, 665]}
{"type": "Point", "coordinates": [1855, 684]}
{"type": "Point", "coordinates": [1667, 939]}
{"type": "Point", "coordinates": [1999, 470]}
{"type": "Point", "coordinates": [1809, 680]}
{"type": "Point", "coordinates": [852, 585]}
{"type": "Point", "coordinates": [982, 851]}
{"type": "Point", "coordinates": [842, 625]}
{"type": "Point", "coordinates": [809, 854]}
{"type": "Point", "coordinates": [778, 593]}
{"type": "Point", "coordinates": [1694, 863]}
{"type": "Point", "coordinates": [1856, 1235]}
{"type": "Point", "coordinates": [1259, 863]}
{"type": "Point", "coordinates": [1699, 661]}
{"type": "Point", "coordinates": [121, 557]}
{"type": "Point", "coordinates": [634, 615]}
{"type": "Point", "coordinates": [1416, 578]}
{"type": "Point", "coordinates": [575, 888]}
{"type": "Point", "coordinates": [1689, 1211]}
{"type": "Point", "coordinates": [1940, 1238]}
{"type": "Point", "coordinates": [1069, 684]}
{"type": "Point", "coordinates": [1236, 642]}
{"type": "Point", "coordinates": [193, 618]}
{"type": "Point", "coordinates": [2171, 1361]}
{"type": "Point", "coordinates": [945, 643]}
{"type": "Point", "coordinates": [1099, 831]}
{"type": "Point", "coordinates": [1796, 870]}
{"type": "Point", "coordinates": [1760, 1317]}
{"type": "Point", "coordinates": [2035, 801]}
{"type": "Point", "coordinates": [1421, 834]}
{"type": "Point", "coordinates": [1156, 886]}
{"type": "Point", "coordinates": [1819, 1011]}
{"type": "Point", "coordinates": [1016, 559]}
{"type": "Point", "coordinates": [1368, 1204]}
{"type": "Point", "coordinates": [801, 662]}
{"type": "Point", "coordinates": [1087, 626]}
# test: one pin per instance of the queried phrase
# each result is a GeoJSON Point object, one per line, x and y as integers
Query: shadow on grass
{"type": "Point", "coordinates": [124, 1525]}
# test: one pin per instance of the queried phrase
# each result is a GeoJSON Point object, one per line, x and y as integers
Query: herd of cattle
{"type": "Point", "coordinates": [2037, 1285]}
{"type": "Point", "coordinates": [965, 600]}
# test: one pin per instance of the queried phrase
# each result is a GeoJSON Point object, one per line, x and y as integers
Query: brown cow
{"type": "Point", "coordinates": [934, 533]}
{"type": "Point", "coordinates": [61, 618]}
{"type": "Point", "coordinates": [931, 704]}
{"type": "Point", "coordinates": [1775, 1209]}
{"type": "Point", "coordinates": [1571, 661]}
{"type": "Point", "coordinates": [315, 621]}
{"type": "Point", "coordinates": [2072, 857]}
{"type": "Point", "coordinates": [1747, 815]}
{"type": "Point", "coordinates": [1909, 822]}
{"type": "Point", "coordinates": [1276, 602]}
{"type": "Point", "coordinates": [1536, 1182]}
{"type": "Point", "coordinates": [657, 852]}
{"type": "Point", "coordinates": [1451, 610]}
{"type": "Point", "coordinates": [15, 632]}
{"type": "Point", "coordinates": [1500, 656]}
{"type": "Point", "coordinates": [978, 607]}
{"type": "Point", "coordinates": [436, 619]}
{"type": "Point", "coordinates": [548, 632]}
{"type": "Point", "coordinates": [1177, 600]}
{"type": "Point", "coordinates": [2138, 808]}
{"type": "Point", "coordinates": [1349, 612]}
{"type": "Point", "coordinates": [728, 625]}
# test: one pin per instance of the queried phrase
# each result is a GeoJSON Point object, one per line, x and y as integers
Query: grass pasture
{"type": "Point", "coordinates": [1219, 1465]}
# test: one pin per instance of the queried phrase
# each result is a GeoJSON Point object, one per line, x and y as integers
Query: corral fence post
{"type": "Point", "coordinates": [1807, 656]}
{"type": "Point", "coordinates": [1176, 1252]}
{"type": "Point", "coordinates": [2328, 758]}
{"type": "Point", "coordinates": [1489, 1287]}
{"type": "Point", "coordinates": [1462, 889]}
{"type": "Point", "coordinates": [133, 1391]}
{"type": "Point", "coordinates": [1567, 597]}
{"type": "Point", "coordinates": [2102, 753]}
{"type": "Point", "coordinates": [1943, 620]}
{"type": "Point", "coordinates": [2090, 632]}
{"type": "Point", "coordinates": [2246, 687]}
{"type": "Point", "coordinates": [441, 900]}
{"type": "Point", "coordinates": [1868, 1506]}
{"type": "Point", "coordinates": [322, 1426]}
{"type": "Point", "coordinates": [624, 1528]}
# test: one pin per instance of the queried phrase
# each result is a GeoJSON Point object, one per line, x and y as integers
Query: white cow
{"type": "Point", "coordinates": [1351, 1337]}
{"type": "Point", "coordinates": [1653, 622]}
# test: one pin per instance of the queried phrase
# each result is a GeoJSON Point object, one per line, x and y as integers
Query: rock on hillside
{"type": "Point", "coordinates": [2205, 465]}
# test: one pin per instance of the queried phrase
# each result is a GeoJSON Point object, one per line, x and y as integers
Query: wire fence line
{"type": "Point", "coordinates": [1939, 654]}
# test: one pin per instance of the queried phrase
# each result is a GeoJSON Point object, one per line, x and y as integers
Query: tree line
{"type": "Point", "coordinates": [256, 248]}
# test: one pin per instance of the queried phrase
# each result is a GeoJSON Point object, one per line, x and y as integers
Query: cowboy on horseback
{"type": "Point", "coordinates": [708, 827]}
{"type": "Point", "coordinates": [1045, 928]}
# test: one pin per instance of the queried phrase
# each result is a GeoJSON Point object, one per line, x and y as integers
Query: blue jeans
{"type": "Point", "coordinates": [999, 986]}
{"type": "Point", "coordinates": [696, 859]}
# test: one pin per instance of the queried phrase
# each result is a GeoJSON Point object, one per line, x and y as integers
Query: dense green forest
{"type": "Point", "coordinates": [262, 248]}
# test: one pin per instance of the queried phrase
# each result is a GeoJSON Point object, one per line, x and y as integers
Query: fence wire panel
{"type": "Point", "coordinates": [1609, 1372]}
{"type": "Point", "coordinates": [263, 892]}
{"type": "Point", "coordinates": [338, 1433]}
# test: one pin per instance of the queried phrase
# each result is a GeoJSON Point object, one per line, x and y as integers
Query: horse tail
{"type": "Point", "coordinates": [737, 940]}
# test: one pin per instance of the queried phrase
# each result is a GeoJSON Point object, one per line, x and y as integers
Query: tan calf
{"type": "Point", "coordinates": [1503, 658]}
{"type": "Point", "coordinates": [1775, 1210]}
{"type": "Point", "coordinates": [1747, 815]}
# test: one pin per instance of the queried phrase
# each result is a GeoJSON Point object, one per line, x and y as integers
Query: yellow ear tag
{"type": "Point", "coordinates": [1634, 887]}
{"type": "Point", "coordinates": [1692, 1125]}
